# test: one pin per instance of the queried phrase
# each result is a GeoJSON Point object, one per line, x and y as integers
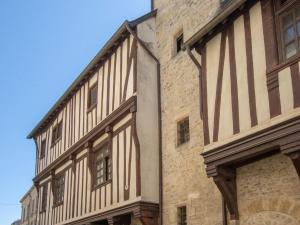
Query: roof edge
{"type": "Point", "coordinates": [219, 18]}
{"type": "Point", "coordinates": [89, 69]}
{"type": "Point", "coordinates": [27, 193]}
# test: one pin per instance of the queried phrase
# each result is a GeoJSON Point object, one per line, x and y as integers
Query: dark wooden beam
{"type": "Point", "coordinates": [226, 183]}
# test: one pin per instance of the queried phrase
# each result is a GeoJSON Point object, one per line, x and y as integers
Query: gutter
{"type": "Point", "coordinates": [159, 119]}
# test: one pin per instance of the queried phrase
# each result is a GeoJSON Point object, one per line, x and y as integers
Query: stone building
{"type": "Point", "coordinates": [29, 208]}
{"type": "Point", "coordinates": [201, 124]}
{"type": "Point", "coordinates": [237, 84]}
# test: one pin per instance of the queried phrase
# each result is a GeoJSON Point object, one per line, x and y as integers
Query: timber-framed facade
{"type": "Point", "coordinates": [188, 115]}
{"type": "Point", "coordinates": [93, 147]}
{"type": "Point", "coordinates": [249, 89]}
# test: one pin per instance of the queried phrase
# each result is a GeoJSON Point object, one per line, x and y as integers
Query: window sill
{"type": "Point", "coordinates": [182, 145]}
{"type": "Point", "coordinates": [285, 64]}
{"type": "Point", "coordinates": [101, 185]}
{"type": "Point", "coordinates": [91, 108]}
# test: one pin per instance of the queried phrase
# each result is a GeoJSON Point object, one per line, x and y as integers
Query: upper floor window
{"type": "Point", "coordinates": [56, 132]}
{"type": "Point", "coordinates": [183, 131]}
{"type": "Point", "coordinates": [102, 166]}
{"type": "Point", "coordinates": [58, 190]}
{"type": "Point", "coordinates": [44, 198]}
{"type": "Point", "coordinates": [43, 148]}
{"type": "Point", "coordinates": [288, 17]}
{"type": "Point", "coordinates": [92, 97]}
{"type": "Point", "coordinates": [181, 214]}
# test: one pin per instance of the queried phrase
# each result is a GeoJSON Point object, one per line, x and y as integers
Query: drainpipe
{"type": "Point", "coordinates": [159, 118]}
{"type": "Point", "coordinates": [199, 67]}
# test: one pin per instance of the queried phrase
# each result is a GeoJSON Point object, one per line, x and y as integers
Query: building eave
{"type": "Point", "coordinates": [214, 22]}
{"type": "Point", "coordinates": [89, 70]}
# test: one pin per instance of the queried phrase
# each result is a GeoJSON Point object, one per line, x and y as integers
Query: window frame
{"type": "Point", "coordinates": [107, 178]}
{"type": "Point", "coordinates": [179, 141]}
{"type": "Point", "coordinates": [182, 215]}
{"type": "Point", "coordinates": [56, 133]}
{"type": "Point", "coordinates": [44, 198]}
{"type": "Point", "coordinates": [43, 148]}
{"type": "Point", "coordinates": [179, 39]}
{"type": "Point", "coordinates": [280, 11]}
{"type": "Point", "coordinates": [58, 191]}
{"type": "Point", "coordinates": [90, 105]}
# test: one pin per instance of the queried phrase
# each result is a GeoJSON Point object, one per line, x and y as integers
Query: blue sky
{"type": "Point", "coordinates": [44, 45]}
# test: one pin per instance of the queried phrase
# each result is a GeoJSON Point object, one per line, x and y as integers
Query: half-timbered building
{"type": "Point", "coordinates": [250, 99]}
{"type": "Point", "coordinates": [29, 207]}
{"type": "Point", "coordinates": [233, 96]}
{"type": "Point", "coordinates": [97, 157]}
{"type": "Point", "coordinates": [218, 78]}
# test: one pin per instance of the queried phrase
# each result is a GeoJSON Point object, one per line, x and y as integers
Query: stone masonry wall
{"type": "Point", "coordinates": [184, 178]}
{"type": "Point", "coordinates": [268, 190]}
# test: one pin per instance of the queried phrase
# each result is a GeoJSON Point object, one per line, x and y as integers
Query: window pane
{"type": "Point", "coordinates": [287, 20]}
{"type": "Point", "coordinates": [297, 12]}
{"type": "Point", "coordinates": [298, 28]}
{"type": "Point", "coordinates": [289, 35]}
{"type": "Point", "coordinates": [290, 50]}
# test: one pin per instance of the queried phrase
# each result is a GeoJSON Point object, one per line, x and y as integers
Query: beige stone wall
{"type": "Point", "coordinates": [268, 192]}
{"type": "Point", "coordinates": [185, 181]}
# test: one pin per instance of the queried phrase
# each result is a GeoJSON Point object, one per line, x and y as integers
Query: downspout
{"type": "Point", "coordinates": [199, 67]}
{"type": "Point", "coordinates": [159, 119]}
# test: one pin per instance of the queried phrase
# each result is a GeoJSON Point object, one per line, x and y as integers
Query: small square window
{"type": "Point", "coordinates": [179, 43]}
{"type": "Point", "coordinates": [93, 94]}
{"type": "Point", "coordinates": [183, 131]}
{"type": "Point", "coordinates": [181, 214]}
{"type": "Point", "coordinates": [43, 148]}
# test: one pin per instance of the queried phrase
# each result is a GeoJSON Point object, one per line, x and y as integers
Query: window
{"type": "Point", "coordinates": [102, 166]}
{"type": "Point", "coordinates": [28, 211]}
{"type": "Point", "coordinates": [181, 213]}
{"type": "Point", "coordinates": [58, 190]}
{"type": "Point", "coordinates": [56, 133]}
{"type": "Point", "coordinates": [179, 43]}
{"type": "Point", "coordinates": [43, 148]}
{"type": "Point", "coordinates": [289, 27]}
{"type": "Point", "coordinates": [44, 198]}
{"type": "Point", "coordinates": [92, 99]}
{"type": "Point", "coordinates": [183, 131]}
{"type": "Point", "coordinates": [32, 207]}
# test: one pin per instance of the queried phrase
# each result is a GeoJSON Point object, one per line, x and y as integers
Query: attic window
{"type": "Point", "coordinates": [92, 99]}
{"type": "Point", "coordinates": [56, 133]}
{"type": "Point", "coordinates": [179, 43]}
